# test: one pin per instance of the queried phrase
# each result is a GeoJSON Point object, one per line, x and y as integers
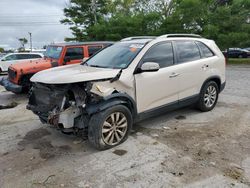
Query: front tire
{"type": "Point", "coordinates": [208, 96]}
{"type": "Point", "coordinates": [110, 127]}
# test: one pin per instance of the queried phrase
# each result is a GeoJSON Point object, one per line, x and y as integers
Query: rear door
{"type": "Point", "coordinates": [192, 67]}
{"type": "Point", "coordinates": [74, 55]}
{"type": "Point", "coordinates": [156, 89]}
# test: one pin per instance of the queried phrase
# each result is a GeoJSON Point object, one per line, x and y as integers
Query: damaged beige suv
{"type": "Point", "coordinates": [135, 78]}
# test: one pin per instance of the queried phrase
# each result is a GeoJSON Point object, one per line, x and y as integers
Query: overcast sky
{"type": "Point", "coordinates": [40, 17]}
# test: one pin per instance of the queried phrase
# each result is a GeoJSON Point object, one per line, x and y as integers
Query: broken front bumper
{"type": "Point", "coordinates": [9, 86]}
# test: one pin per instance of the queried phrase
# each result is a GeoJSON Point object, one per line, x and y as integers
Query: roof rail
{"type": "Point", "coordinates": [180, 35]}
{"type": "Point", "coordinates": [138, 37]}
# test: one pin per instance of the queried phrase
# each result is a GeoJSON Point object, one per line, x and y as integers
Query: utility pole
{"type": "Point", "coordinates": [93, 6]}
{"type": "Point", "coordinates": [30, 41]}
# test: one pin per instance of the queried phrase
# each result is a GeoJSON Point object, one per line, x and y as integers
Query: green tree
{"type": "Point", "coordinates": [82, 14]}
{"type": "Point", "coordinates": [225, 21]}
{"type": "Point", "coordinates": [122, 26]}
{"type": "Point", "coordinates": [229, 24]}
{"type": "Point", "coordinates": [1, 50]}
{"type": "Point", "coordinates": [23, 41]}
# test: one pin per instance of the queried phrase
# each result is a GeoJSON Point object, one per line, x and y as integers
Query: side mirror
{"type": "Point", "coordinates": [149, 67]}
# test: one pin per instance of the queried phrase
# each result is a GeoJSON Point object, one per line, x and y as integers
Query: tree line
{"type": "Point", "coordinates": [225, 21]}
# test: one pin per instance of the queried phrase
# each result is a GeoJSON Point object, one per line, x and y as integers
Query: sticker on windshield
{"type": "Point", "coordinates": [133, 49]}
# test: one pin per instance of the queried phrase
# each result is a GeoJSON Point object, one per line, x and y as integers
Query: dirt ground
{"type": "Point", "coordinates": [184, 148]}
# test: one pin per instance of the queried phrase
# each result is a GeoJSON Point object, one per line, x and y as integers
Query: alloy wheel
{"type": "Point", "coordinates": [114, 128]}
{"type": "Point", "coordinates": [210, 96]}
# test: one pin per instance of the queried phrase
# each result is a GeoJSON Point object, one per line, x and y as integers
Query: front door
{"type": "Point", "coordinates": [156, 89]}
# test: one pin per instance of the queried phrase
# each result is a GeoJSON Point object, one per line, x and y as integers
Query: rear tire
{"type": "Point", "coordinates": [208, 96]}
{"type": "Point", "coordinates": [110, 127]}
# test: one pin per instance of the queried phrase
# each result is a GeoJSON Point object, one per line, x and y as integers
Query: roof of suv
{"type": "Point", "coordinates": [140, 41]}
{"type": "Point", "coordinates": [144, 39]}
{"type": "Point", "coordinates": [82, 43]}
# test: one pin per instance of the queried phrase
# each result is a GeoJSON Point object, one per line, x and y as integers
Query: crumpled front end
{"type": "Point", "coordinates": [59, 105]}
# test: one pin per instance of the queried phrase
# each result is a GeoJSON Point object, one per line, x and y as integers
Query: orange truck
{"type": "Point", "coordinates": [19, 74]}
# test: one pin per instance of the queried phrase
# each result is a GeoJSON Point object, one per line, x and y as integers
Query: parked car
{"type": "Point", "coordinates": [248, 49]}
{"type": "Point", "coordinates": [236, 53]}
{"type": "Point", "coordinates": [13, 58]}
{"type": "Point", "coordinates": [132, 80]}
{"type": "Point", "coordinates": [56, 55]}
{"type": "Point", "coordinates": [2, 54]}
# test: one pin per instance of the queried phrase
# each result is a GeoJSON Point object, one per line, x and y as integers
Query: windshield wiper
{"type": "Point", "coordinates": [97, 66]}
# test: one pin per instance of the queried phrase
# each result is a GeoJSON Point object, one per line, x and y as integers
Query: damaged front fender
{"type": "Point", "coordinates": [112, 100]}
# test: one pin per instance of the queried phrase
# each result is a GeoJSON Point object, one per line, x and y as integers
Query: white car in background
{"type": "Point", "coordinates": [14, 58]}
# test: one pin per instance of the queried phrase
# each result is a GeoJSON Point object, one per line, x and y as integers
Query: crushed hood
{"type": "Point", "coordinates": [73, 74]}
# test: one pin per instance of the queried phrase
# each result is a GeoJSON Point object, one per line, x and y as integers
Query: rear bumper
{"type": "Point", "coordinates": [9, 86]}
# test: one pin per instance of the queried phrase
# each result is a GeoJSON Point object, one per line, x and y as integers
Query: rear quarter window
{"type": "Point", "coordinates": [205, 51]}
{"type": "Point", "coordinates": [187, 51]}
{"type": "Point", "coordinates": [33, 56]}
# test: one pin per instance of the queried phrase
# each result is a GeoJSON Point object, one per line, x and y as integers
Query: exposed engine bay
{"type": "Point", "coordinates": [64, 105]}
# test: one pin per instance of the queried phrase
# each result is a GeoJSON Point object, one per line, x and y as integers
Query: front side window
{"type": "Point", "coordinates": [93, 49]}
{"type": "Point", "coordinates": [10, 57]}
{"type": "Point", "coordinates": [187, 51]}
{"type": "Point", "coordinates": [53, 52]}
{"type": "Point", "coordinates": [74, 53]}
{"type": "Point", "coordinates": [117, 56]}
{"type": "Point", "coordinates": [206, 52]}
{"type": "Point", "coordinates": [160, 53]}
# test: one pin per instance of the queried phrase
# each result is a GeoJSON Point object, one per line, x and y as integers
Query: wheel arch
{"type": "Point", "coordinates": [216, 79]}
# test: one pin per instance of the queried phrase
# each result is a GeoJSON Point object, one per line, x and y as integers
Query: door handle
{"type": "Point", "coordinates": [173, 75]}
{"type": "Point", "coordinates": [205, 66]}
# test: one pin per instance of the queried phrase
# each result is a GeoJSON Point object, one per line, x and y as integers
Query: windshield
{"type": "Point", "coordinates": [53, 52]}
{"type": "Point", "coordinates": [118, 56]}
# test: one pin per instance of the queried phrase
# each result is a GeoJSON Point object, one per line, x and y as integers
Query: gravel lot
{"type": "Point", "coordinates": [185, 148]}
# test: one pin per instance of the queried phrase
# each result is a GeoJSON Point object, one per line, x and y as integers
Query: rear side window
{"type": "Point", "coordinates": [23, 56]}
{"type": "Point", "coordinates": [93, 49]}
{"type": "Point", "coordinates": [33, 56]}
{"type": "Point", "coordinates": [160, 53]}
{"type": "Point", "coordinates": [187, 51]}
{"type": "Point", "coordinates": [205, 51]}
{"type": "Point", "coordinates": [74, 53]}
